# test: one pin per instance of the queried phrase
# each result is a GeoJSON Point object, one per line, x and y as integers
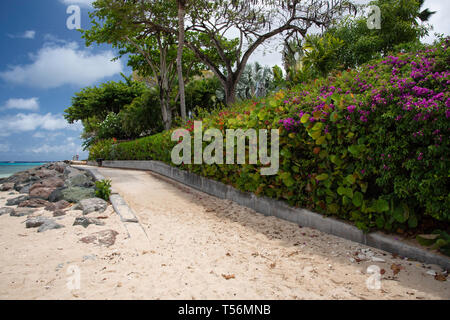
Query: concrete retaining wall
{"type": "Point", "coordinates": [271, 207]}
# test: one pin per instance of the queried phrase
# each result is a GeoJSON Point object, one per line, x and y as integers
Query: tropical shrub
{"type": "Point", "coordinates": [368, 145]}
{"type": "Point", "coordinates": [103, 189]}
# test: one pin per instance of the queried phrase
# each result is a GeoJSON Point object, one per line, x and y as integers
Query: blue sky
{"type": "Point", "coordinates": [43, 63]}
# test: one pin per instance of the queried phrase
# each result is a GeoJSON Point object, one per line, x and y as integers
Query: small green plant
{"type": "Point", "coordinates": [438, 239]}
{"type": "Point", "coordinates": [103, 189]}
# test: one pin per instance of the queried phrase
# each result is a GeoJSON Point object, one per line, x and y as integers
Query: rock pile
{"type": "Point", "coordinates": [53, 186]}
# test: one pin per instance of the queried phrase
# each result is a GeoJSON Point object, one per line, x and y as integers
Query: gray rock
{"type": "Point", "coordinates": [20, 177]}
{"type": "Point", "coordinates": [90, 257]}
{"type": "Point", "coordinates": [16, 201]}
{"type": "Point", "coordinates": [92, 205]}
{"type": "Point", "coordinates": [7, 186]}
{"type": "Point", "coordinates": [79, 180]}
{"type": "Point", "coordinates": [76, 194]}
{"type": "Point", "coordinates": [103, 238]}
{"type": "Point", "coordinates": [70, 172]}
{"type": "Point", "coordinates": [20, 212]}
{"type": "Point", "coordinates": [25, 188]}
{"type": "Point", "coordinates": [36, 222]}
{"type": "Point", "coordinates": [85, 222]}
{"type": "Point", "coordinates": [6, 210]}
{"type": "Point", "coordinates": [49, 226]}
{"type": "Point", "coordinates": [44, 173]}
{"type": "Point", "coordinates": [56, 195]}
{"type": "Point", "coordinates": [59, 213]}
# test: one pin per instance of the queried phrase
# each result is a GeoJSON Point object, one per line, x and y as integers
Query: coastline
{"type": "Point", "coordinates": [8, 168]}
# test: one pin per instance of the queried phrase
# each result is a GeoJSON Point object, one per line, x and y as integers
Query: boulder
{"type": "Point", "coordinates": [56, 195]}
{"type": "Point", "coordinates": [44, 173]}
{"type": "Point", "coordinates": [20, 212]}
{"type": "Point", "coordinates": [42, 193]}
{"type": "Point", "coordinates": [16, 201]}
{"type": "Point", "coordinates": [70, 172]}
{"type": "Point", "coordinates": [61, 204]}
{"type": "Point", "coordinates": [20, 177]}
{"type": "Point", "coordinates": [6, 210]}
{"type": "Point", "coordinates": [34, 203]}
{"type": "Point", "coordinates": [59, 213]}
{"type": "Point", "coordinates": [60, 167]}
{"type": "Point", "coordinates": [36, 222]}
{"type": "Point", "coordinates": [92, 205]}
{"type": "Point", "coordinates": [103, 238]}
{"type": "Point", "coordinates": [76, 194]}
{"type": "Point", "coordinates": [85, 222]}
{"type": "Point", "coordinates": [7, 186]}
{"type": "Point", "coordinates": [24, 188]}
{"type": "Point", "coordinates": [79, 180]}
{"type": "Point", "coordinates": [53, 182]}
{"type": "Point", "coordinates": [49, 226]}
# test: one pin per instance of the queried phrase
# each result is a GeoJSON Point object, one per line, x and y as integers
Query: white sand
{"type": "Point", "coordinates": [194, 242]}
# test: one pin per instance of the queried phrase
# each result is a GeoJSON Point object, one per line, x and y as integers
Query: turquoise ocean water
{"type": "Point", "coordinates": [7, 169]}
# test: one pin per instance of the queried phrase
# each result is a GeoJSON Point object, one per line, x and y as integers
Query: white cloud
{"type": "Point", "coordinates": [31, 104]}
{"type": "Point", "coordinates": [57, 65]}
{"type": "Point", "coordinates": [29, 34]}
{"type": "Point", "coordinates": [81, 3]}
{"type": "Point", "coordinates": [66, 148]}
{"type": "Point", "coordinates": [33, 121]}
{"type": "Point", "coordinates": [4, 147]}
{"type": "Point", "coordinates": [439, 20]}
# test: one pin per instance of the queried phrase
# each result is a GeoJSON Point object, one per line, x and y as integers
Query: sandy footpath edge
{"type": "Point", "coordinates": [199, 247]}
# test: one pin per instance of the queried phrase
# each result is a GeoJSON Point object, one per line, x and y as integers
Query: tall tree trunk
{"type": "Point", "coordinates": [181, 14]}
{"type": "Point", "coordinates": [230, 91]}
{"type": "Point", "coordinates": [165, 108]}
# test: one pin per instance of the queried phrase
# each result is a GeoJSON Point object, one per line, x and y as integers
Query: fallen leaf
{"type": "Point", "coordinates": [292, 253]}
{"type": "Point", "coordinates": [228, 276]}
{"type": "Point", "coordinates": [396, 268]}
{"type": "Point", "coordinates": [440, 277]}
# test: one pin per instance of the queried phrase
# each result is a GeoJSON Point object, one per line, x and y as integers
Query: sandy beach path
{"type": "Point", "coordinates": [198, 241]}
{"type": "Point", "coordinates": [202, 247]}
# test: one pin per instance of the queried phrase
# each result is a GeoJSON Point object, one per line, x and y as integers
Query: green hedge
{"type": "Point", "coordinates": [368, 145]}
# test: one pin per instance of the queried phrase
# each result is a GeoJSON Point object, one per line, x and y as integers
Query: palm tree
{"type": "Point", "coordinates": [425, 14]}
{"type": "Point", "coordinates": [255, 81]}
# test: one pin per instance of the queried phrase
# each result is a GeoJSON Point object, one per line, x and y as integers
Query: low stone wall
{"type": "Point", "coordinates": [272, 207]}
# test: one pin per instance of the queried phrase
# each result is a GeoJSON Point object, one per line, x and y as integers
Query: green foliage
{"type": "Point", "coordinates": [367, 145]}
{"type": "Point", "coordinates": [97, 102]}
{"type": "Point", "coordinates": [111, 127]}
{"type": "Point", "coordinates": [103, 189]}
{"type": "Point", "coordinates": [101, 149]}
{"type": "Point", "coordinates": [438, 240]}
{"type": "Point", "coordinates": [399, 26]}
{"type": "Point", "coordinates": [203, 93]}
{"type": "Point", "coordinates": [321, 54]}
{"type": "Point", "coordinates": [142, 116]}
